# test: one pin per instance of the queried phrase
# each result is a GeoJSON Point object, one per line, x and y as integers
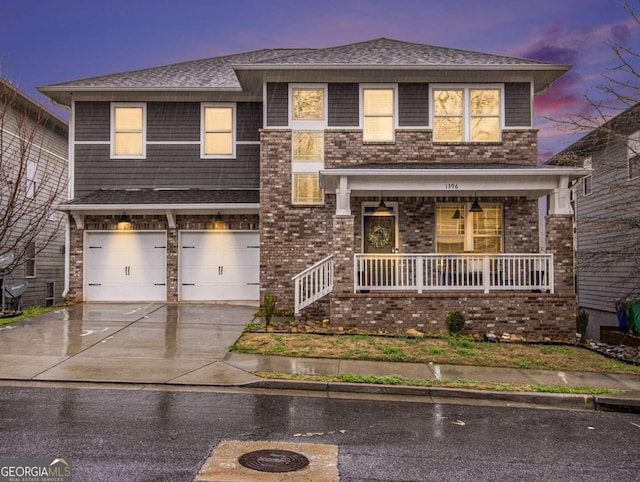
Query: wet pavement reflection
{"type": "Point", "coordinates": [128, 342]}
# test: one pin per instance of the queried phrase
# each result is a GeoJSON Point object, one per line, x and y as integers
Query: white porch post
{"type": "Point", "coordinates": [343, 197]}
{"type": "Point", "coordinates": [560, 201]}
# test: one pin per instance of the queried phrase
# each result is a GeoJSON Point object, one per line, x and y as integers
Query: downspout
{"type": "Point", "coordinates": [67, 255]}
{"type": "Point", "coordinates": [67, 228]}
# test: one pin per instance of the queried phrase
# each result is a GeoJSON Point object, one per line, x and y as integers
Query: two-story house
{"type": "Point", "coordinates": [607, 217]}
{"type": "Point", "coordinates": [33, 181]}
{"type": "Point", "coordinates": [381, 183]}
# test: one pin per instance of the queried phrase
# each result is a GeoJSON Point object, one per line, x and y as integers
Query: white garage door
{"type": "Point", "coordinates": [219, 266]}
{"type": "Point", "coordinates": [125, 266]}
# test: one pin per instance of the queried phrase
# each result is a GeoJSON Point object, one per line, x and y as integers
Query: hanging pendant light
{"type": "Point", "coordinates": [382, 209]}
{"type": "Point", "coordinates": [475, 207]}
{"type": "Point", "coordinates": [457, 215]}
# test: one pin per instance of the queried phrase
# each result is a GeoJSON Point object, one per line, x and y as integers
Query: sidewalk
{"type": "Point", "coordinates": [164, 344]}
{"type": "Point", "coordinates": [629, 400]}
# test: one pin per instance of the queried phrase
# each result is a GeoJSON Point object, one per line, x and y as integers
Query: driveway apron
{"type": "Point", "coordinates": [127, 343]}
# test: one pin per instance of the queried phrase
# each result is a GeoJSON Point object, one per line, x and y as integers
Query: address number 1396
{"type": "Point", "coordinates": [451, 185]}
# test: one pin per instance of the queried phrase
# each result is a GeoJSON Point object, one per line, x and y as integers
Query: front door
{"type": "Point", "coordinates": [379, 232]}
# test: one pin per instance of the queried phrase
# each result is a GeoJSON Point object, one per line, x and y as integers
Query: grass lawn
{"type": "Point", "coordinates": [449, 350]}
{"type": "Point", "coordinates": [29, 313]}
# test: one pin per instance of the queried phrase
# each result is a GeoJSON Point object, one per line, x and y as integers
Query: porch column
{"type": "Point", "coordinates": [343, 243]}
{"type": "Point", "coordinates": [560, 243]}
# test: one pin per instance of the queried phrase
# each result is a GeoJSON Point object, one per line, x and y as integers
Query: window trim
{"type": "Point", "coordinates": [466, 110]}
{"type": "Point", "coordinates": [112, 138]}
{"type": "Point", "coordinates": [587, 163]}
{"type": "Point", "coordinates": [633, 152]}
{"type": "Point", "coordinates": [31, 179]}
{"type": "Point", "coordinates": [234, 124]}
{"type": "Point", "coordinates": [387, 86]}
{"type": "Point", "coordinates": [308, 124]}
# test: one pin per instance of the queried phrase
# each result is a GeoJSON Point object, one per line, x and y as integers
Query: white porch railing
{"type": "Point", "coordinates": [313, 283]}
{"type": "Point", "coordinates": [432, 272]}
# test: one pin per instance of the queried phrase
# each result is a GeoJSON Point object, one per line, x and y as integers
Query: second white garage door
{"type": "Point", "coordinates": [219, 265]}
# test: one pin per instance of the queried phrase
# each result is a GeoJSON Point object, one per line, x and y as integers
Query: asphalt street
{"type": "Point", "coordinates": [133, 434]}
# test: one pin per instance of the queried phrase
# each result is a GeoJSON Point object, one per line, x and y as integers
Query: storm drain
{"type": "Point", "coordinates": [273, 460]}
{"type": "Point", "coordinates": [270, 461]}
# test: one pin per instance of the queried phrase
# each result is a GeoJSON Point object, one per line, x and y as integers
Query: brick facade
{"type": "Point", "coordinates": [345, 147]}
{"type": "Point", "coordinates": [294, 238]}
{"type": "Point", "coordinates": [146, 223]}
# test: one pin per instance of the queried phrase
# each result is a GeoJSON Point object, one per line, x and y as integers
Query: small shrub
{"type": "Point", "coordinates": [583, 322]}
{"type": "Point", "coordinates": [455, 322]}
{"type": "Point", "coordinates": [269, 307]}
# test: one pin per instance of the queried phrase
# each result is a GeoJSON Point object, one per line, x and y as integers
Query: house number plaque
{"type": "Point", "coordinates": [451, 185]}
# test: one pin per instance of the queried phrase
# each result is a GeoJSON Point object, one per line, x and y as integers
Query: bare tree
{"type": "Point", "coordinates": [609, 219]}
{"type": "Point", "coordinates": [31, 184]}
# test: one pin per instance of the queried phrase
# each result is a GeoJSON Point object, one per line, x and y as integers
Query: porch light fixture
{"type": "Point", "coordinates": [475, 207]}
{"type": "Point", "coordinates": [457, 215]}
{"type": "Point", "coordinates": [218, 222]}
{"type": "Point", "coordinates": [382, 209]}
{"type": "Point", "coordinates": [124, 222]}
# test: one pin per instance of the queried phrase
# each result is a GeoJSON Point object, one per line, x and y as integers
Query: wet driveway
{"type": "Point", "coordinates": [132, 342]}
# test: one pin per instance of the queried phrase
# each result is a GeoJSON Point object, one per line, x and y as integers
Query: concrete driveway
{"type": "Point", "coordinates": [129, 342]}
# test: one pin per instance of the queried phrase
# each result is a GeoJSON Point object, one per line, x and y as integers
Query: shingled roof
{"type": "Point", "coordinates": [238, 72]}
{"type": "Point", "coordinates": [384, 51]}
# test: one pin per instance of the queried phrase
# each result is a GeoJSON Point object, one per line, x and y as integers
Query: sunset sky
{"type": "Point", "coordinates": [44, 42]}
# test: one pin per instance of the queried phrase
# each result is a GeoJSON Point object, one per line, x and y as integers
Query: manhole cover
{"type": "Point", "coordinates": [273, 460]}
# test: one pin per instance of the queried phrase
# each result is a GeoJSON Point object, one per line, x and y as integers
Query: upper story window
{"type": "Point", "coordinates": [307, 103]}
{"type": "Point", "coordinates": [587, 182]}
{"type": "Point", "coordinates": [128, 130]}
{"type": "Point", "coordinates": [308, 145]}
{"type": "Point", "coordinates": [467, 114]}
{"type": "Point", "coordinates": [218, 136]}
{"type": "Point", "coordinates": [30, 188]}
{"type": "Point", "coordinates": [459, 230]}
{"type": "Point", "coordinates": [306, 188]}
{"type": "Point", "coordinates": [378, 114]}
{"type": "Point", "coordinates": [633, 155]}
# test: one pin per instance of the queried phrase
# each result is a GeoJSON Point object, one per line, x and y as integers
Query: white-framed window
{"type": "Point", "coordinates": [467, 114]}
{"type": "Point", "coordinates": [128, 130]}
{"type": "Point", "coordinates": [587, 182]}
{"type": "Point", "coordinates": [459, 230]}
{"type": "Point", "coordinates": [307, 119]}
{"type": "Point", "coordinates": [30, 265]}
{"type": "Point", "coordinates": [308, 146]}
{"type": "Point", "coordinates": [218, 132]}
{"type": "Point", "coordinates": [30, 187]}
{"type": "Point", "coordinates": [306, 189]}
{"type": "Point", "coordinates": [308, 102]}
{"type": "Point", "coordinates": [378, 114]}
{"type": "Point", "coordinates": [633, 155]}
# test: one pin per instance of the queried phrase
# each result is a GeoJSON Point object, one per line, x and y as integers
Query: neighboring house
{"type": "Point", "coordinates": [395, 181]}
{"type": "Point", "coordinates": [607, 216]}
{"type": "Point", "coordinates": [34, 143]}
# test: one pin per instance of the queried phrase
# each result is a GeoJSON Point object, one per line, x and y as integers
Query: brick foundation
{"type": "Point", "coordinates": [535, 316]}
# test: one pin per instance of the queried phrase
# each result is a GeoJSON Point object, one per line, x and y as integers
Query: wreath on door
{"type": "Point", "coordinates": [379, 237]}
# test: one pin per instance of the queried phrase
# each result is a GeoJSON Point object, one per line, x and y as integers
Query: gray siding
{"type": "Point", "coordinates": [176, 165]}
{"type": "Point", "coordinates": [517, 104]}
{"type": "Point", "coordinates": [604, 277]}
{"type": "Point", "coordinates": [92, 121]}
{"type": "Point", "coordinates": [413, 105]}
{"type": "Point", "coordinates": [344, 105]}
{"type": "Point", "coordinates": [173, 121]}
{"type": "Point", "coordinates": [249, 121]}
{"type": "Point", "coordinates": [277, 104]}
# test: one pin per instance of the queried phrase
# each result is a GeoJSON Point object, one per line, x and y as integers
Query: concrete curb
{"type": "Point", "coordinates": [555, 400]}
{"type": "Point", "coordinates": [617, 403]}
